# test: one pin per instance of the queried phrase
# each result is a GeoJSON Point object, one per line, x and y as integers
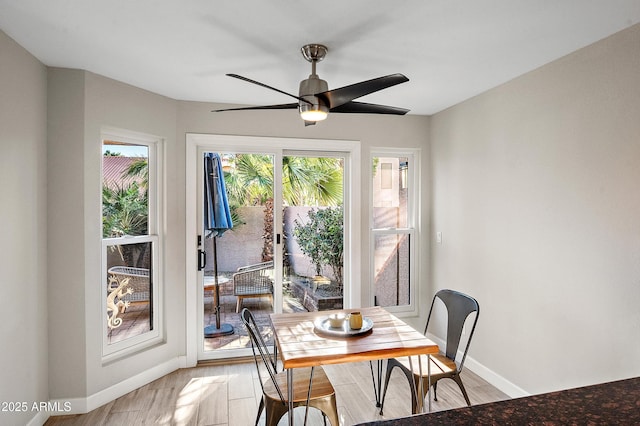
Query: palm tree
{"type": "Point", "coordinates": [124, 211]}
{"type": "Point", "coordinates": [307, 181]}
{"type": "Point", "coordinates": [139, 169]}
{"type": "Point", "coordinates": [312, 181]}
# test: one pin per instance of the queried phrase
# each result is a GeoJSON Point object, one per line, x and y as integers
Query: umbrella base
{"type": "Point", "coordinates": [213, 331]}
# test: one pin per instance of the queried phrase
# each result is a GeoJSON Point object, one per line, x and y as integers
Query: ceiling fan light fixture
{"type": "Point", "coordinates": [316, 112]}
{"type": "Point", "coordinates": [313, 108]}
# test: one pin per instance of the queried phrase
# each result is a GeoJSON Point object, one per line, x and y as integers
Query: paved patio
{"type": "Point", "coordinates": [260, 307]}
{"type": "Point", "coordinates": [136, 318]}
{"type": "Point", "coordinates": [135, 321]}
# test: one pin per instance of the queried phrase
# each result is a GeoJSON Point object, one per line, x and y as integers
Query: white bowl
{"type": "Point", "coordinates": [336, 320]}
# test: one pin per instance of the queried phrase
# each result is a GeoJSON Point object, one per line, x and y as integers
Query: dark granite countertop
{"type": "Point", "coordinates": [614, 403]}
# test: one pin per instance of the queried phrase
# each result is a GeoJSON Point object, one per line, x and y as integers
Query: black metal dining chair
{"type": "Point", "coordinates": [310, 384]}
{"type": "Point", "coordinates": [459, 307]}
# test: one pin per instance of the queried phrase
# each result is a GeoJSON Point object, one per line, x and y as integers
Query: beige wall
{"type": "Point", "coordinates": [65, 279]}
{"type": "Point", "coordinates": [535, 190]}
{"type": "Point", "coordinates": [23, 230]}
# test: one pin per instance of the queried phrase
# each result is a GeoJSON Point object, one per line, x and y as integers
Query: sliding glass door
{"type": "Point", "coordinates": [284, 251]}
{"type": "Point", "coordinates": [313, 231]}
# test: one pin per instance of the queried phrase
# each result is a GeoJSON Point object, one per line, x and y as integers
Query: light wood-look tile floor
{"type": "Point", "coordinates": [228, 394]}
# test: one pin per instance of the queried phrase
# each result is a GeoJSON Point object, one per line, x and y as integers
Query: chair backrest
{"type": "Point", "coordinates": [459, 307]}
{"type": "Point", "coordinates": [261, 353]}
{"type": "Point", "coordinates": [253, 279]}
{"type": "Point", "coordinates": [263, 266]}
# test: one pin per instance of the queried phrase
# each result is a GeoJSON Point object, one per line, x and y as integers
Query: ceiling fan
{"type": "Point", "coordinates": [315, 100]}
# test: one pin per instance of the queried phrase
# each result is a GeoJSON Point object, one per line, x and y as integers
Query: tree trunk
{"type": "Point", "coordinates": [267, 248]}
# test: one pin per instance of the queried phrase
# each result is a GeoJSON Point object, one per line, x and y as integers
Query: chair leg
{"type": "Point", "coordinates": [275, 411]}
{"type": "Point", "coordinates": [458, 380]}
{"type": "Point", "coordinates": [391, 363]}
{"type": "Point", "coordinates": [260, 408]}
{"type": "Point", "coordinates": [386, 384]}
{"type": "Point", "coordinates": [238, 303]}
{"type": "Point", "coordinates": [329, 408]}
{"type": "Point", "coordinates": [435, 390]}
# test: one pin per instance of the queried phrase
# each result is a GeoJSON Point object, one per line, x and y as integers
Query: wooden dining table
{"type": "Point", "coordinates": [301, 343]}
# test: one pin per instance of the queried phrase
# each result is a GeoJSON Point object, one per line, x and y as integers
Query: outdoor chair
{"type": "Point", "coordinates": [459, 307]}
{"type": "Point", "coordinates": [274, 388]}
{"type": "Point", "coordinates": [138, 282]}
{"type": "Point", "coordinates": [252, 281]}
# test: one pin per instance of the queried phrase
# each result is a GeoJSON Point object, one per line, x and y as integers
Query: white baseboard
{"type": "Point", "coordinates": [487, 374]}
{"type": "Point", "coordinates": [495, 379]}
{"type": "Point", "coordinates": [39, 419]}
{"type": "Point", "coordinates": [98, 399]}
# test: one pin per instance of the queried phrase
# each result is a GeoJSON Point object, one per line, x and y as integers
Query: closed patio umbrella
{"type": "Point", "coordinates": [217, 219]}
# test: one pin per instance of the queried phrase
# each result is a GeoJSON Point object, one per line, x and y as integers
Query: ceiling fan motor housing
{"type": "Point", "coordinates": [308, 89]}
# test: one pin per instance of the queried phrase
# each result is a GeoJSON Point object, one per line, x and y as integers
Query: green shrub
{"type": "Point", "coordinates": [321, 239]}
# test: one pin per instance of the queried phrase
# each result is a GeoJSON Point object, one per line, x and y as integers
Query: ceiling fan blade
{"type": "Point", "coordinates": [281, 106]}
{"type": "Point", "coordinates": [267, 86]}
{"type": "Point", "coordinates": [365, 108]}
{"type": "Point", "coordinates": [336, 97]}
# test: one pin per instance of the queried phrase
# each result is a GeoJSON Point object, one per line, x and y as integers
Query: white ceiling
{"type": "Point", "coordinates": [451, 50]}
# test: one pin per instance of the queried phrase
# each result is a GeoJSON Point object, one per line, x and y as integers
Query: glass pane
{"type": "Point", "coordinates": [313, 233]}
{"type": "Point", "coordinates": [390, 192]}
{"type": "Point", "coordinates": [239, 261]}
{"type": "Point", "coordinates": [386, 176]}
{"type": "Point", "coordinates": [129, 291]}
{"type": "Point", "coordinates": [125, 197]}
{"type": "Point", "coordinates": [391, 263]}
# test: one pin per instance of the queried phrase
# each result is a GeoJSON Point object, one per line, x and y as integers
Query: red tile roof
{"type": "Point", "coordinates": [115, 167]}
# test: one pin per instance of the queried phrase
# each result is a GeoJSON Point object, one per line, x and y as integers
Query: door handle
{"type": "Point", "coordinates": [202, 259]}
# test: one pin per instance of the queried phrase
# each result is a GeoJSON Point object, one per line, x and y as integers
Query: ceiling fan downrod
{"type": "Point", "coordinates": [314, 53]}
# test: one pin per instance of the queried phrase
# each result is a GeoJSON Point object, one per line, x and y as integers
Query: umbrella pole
{"type": "Point", "coordinates": [224, 329]}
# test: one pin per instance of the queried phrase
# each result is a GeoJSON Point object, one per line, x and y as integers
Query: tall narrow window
{"type": "Point", "coordinates": [393, 231]}
{"type": "Point", "coordinates": [131, 241]}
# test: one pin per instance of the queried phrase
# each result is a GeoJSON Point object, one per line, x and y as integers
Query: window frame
{"type": "Point", "coordinates": [155, 145]}
{"type": "Point", "coordinates": [412, 180]}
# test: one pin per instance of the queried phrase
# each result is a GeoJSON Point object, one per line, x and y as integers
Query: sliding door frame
{"type": "Point", "coordinates": [196, 143]}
